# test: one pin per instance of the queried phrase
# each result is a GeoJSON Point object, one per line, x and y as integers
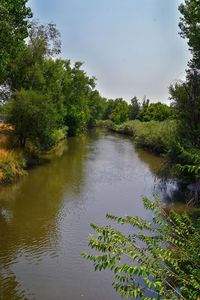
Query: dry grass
{"type": "Point", "coordinates": [12, 162]}
{"type": "Point", "coordinates": [7, 127]}
{"type": "Point", "coordinates": [11, 165]}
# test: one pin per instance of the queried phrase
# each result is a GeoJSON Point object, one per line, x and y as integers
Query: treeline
{"type": "Point", "coordinates": [45, 96]}
{"type": "Point", "coordinates": [120, 111]}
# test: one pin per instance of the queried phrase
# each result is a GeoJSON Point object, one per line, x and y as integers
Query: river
{"type": "Point", "coordinates": [45, 217]}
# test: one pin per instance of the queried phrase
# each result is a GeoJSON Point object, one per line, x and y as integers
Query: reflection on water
{"type": "Point", "coordinates": [45, 217]}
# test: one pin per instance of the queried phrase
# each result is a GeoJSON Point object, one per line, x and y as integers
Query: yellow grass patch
{"type": "Point", "coordinates": [11, 165]}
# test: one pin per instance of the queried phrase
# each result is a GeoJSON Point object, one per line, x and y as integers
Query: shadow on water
{"type": "Point", "coordinates": [173, 192]}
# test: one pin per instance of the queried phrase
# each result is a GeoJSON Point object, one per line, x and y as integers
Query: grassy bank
{"type": "Point", "coordinates": [12, 161]}
{"type": "Point", "coordinates": [155, 136]}
{"type": "Point", "coordinates": [15, 161]}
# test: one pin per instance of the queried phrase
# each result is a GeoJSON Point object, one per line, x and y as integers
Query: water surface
{"type": "Point", "coordinates": [45, 218]}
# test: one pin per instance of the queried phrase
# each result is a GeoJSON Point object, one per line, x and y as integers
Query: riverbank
{"type": "Point", "coordinates": [154, 136]}
{"type": "Point", "coordinates": [45, 216]}
{"type": "Point", "coordinates": [15, 161]}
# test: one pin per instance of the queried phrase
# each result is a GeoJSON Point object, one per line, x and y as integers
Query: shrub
{"type": "Point", "coordinates": [154, 260]}
{"type": "Point", "coordinates": [59, 134]}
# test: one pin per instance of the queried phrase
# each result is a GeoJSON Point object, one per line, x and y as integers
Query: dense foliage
{"type": "Point", "coordinates": [63, 95]}
{"type": "Point", "coordinates": [186, 95]}
{"type": "Point", "coordinates": [155, 112]}
{"type": "Point", "coordinates": [33, 116]}
{"type": "Point", "coordinates": [13, 30]}
{"type": "Point", "coordinates": [186, 103]}
{"type": "Point", "coordinates": [119, 111]}
{"type": "Point", "coordinates": [157, 259]}
{"type": "Point", "coordinates": [190, 29]}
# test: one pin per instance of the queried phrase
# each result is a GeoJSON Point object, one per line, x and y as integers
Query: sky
{"type": "Point", "coordinates": [132, 47]}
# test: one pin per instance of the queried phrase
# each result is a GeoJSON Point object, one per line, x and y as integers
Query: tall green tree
{"type": "Point", "coordinates": [27, 71]}
{"type": "Point", "coordinates": [77, 92]}
{"type": "Point", "coordinates": [186, 95]}
{"type": "Point", "coordinates": [186, 102]}
{"type": "Point", "coordinates": [34, 118]}
{"type": "Point", "coordinates": [190, 29]}
{"type": "Point", "coordinates": [14, 17]}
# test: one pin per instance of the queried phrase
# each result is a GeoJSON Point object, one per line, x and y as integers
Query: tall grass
{"type": "Point", "coordinates": [154, 135]}
{"type": "Point", "coordinates": [11, 165]}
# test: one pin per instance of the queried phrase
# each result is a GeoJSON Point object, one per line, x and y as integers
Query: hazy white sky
{"type": "Point", "coordinates": [131, 46]}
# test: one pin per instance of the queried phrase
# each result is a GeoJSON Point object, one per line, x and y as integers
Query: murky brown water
{"type": "Point", "coordinates": [45, 217]}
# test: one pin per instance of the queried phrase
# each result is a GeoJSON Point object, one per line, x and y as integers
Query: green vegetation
{"type": "Point", "coordinates": [117, 111]}
{"type": "Point", "coordinates": [120, 111]}
{"type": "Point", "coordinates": [153, 135]}
{"type": "Point", "coordinates": [13, 30]}
{"type": "Point", "coordinates": [157, 259]}
{"type": "Point", "coordinates": [155, 112]}
{"type": "Point", "coordinates": [44, 94]}
{"type": "Point", "coordinates": [45, 97]}
{"type": "Point", "coordinates": [33, 117]}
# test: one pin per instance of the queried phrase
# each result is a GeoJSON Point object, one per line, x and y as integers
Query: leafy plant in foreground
{"type": "Point", "coordinates": [156, 260]}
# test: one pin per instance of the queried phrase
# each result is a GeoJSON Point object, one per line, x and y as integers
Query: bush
{"type": "Point", "coordinates": [59, 134]}
{"type": "Point", "coordinates": [158, 260]}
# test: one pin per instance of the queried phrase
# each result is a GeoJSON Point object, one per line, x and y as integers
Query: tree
{"type": "Point", "coordinates": [135, 108]}
{"type": "Point", "coordinates": [55, 72]}
{"type": "Point", "coordinates": [69, 88]}
{"type": "Point", "coordinates": [186, 95]}
{"type": "Point", "coordinates": [121, 112]}
{"type": "Point", "coordinates": [34, 118]}
{"type": "Point", "coordinates": [96, 105]}
{"type": "Point", "coordinates": [154, 260]}
{"type": "Point", "coordinates": [117, 110]}
{"type": "Point", "coordinates": [14, 17]}
{"type": "Point", "coordinates": [110, 105]}
{"type": "Point", "coordinates": [27, 71]}
{"type": "Point", "coordinates": [77, 88]}
{"type": "Point", "coordinates": [155, 111]}
{"type": "Point", "coordinates": [190, 29]}
{"type": "Point", "coordinates": [185, 98]}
